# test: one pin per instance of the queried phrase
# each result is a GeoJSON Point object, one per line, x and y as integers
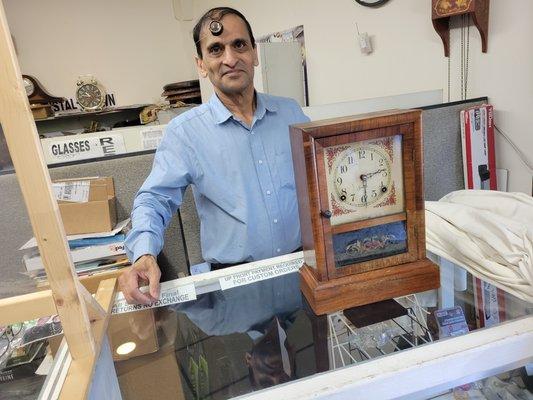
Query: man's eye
{"type": "Point", "coordinates": [240, 45]}
{"type": "Point", "coordinates": [215, 50]}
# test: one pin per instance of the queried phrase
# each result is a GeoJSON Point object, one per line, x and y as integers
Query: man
{"type": "Point", "coordinates": [234, 150]}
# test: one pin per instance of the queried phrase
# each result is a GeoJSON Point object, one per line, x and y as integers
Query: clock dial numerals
{"type": "Point", "coordinates": [89, 96]}
{"type": "Point", "coordinates": [358, 183]}
{"type": "Point", "coordinates": [365, 179]}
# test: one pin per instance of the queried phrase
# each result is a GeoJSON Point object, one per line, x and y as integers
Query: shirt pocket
{"type": "Point", "coordinates": [284, 168]}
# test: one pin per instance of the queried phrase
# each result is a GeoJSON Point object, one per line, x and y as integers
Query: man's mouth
{"type": "Point", "coordinates": [233, 72]}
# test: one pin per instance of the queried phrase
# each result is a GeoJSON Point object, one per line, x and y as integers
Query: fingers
{"type": "Point", "coordinates": [129, 285]}
{"type": "Point", "coordinates": [153, 274]}
{"type": "Point", "coordinates": [144, 268]}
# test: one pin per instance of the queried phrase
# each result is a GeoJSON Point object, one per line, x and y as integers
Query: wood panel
{"type": "Point", "coordinates": [368, 287]}
{"type": "Point", "coordinates": [27, 307]}
{"type": "Point", "coordinates": [367, 223]}
{"type": "Point", "coordinates": [81, 370]}
{"type": "Point", "coordinates": [32, 173]}
{"type": "Point", "coordinates": [309, 199]}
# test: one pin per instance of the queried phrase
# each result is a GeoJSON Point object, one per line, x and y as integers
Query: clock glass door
{"type": "Point", "coordinates": [365, 195]}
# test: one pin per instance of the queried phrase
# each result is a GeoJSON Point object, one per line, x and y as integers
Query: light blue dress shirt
{"type": "Point", "coordinates": [242, 180]}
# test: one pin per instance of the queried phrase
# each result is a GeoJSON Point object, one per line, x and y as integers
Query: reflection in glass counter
{"type": "Point", "coordinates": [228, 343]}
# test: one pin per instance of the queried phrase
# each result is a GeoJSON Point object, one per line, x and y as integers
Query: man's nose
{"type": "Point", "coordinates": [230, 57]}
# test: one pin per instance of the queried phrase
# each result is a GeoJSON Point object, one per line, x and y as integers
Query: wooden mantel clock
{"type": "Point", "coordinates": [361, 201]}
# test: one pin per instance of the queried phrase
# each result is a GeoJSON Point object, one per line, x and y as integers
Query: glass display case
{"type": "Point", "coordinates": [261, 340]}
{"type": "Point", "coordinates": [237, 341]}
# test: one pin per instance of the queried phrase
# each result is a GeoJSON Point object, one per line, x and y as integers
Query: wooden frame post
{"type": "Point", "coordinates": [32, 173]}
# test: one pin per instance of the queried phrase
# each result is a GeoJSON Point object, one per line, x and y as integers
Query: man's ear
{"type": "Point", "coordinates": [200, 67]}
{"type": "Point", "coordinates": [248, 359]}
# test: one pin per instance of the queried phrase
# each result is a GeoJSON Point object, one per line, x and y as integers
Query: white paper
{"type": "Point", "coordinates": [151, 138]}
{"type": "Point", "coordinates": [118, 227]}
{"type": "Point", "coordinates": [260, 274]}
{"type": "Point", "coordinates": [284, 353]}
{"type": "Point", "coordinates": [74, 191]}
{"type": "Point", "coordinates": [172, 292]}
{"type": "Point", "coordinates": [45, 366]}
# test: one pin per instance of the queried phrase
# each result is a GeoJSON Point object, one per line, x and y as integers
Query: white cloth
{"type": "Point", "coordinates": [488, 233]}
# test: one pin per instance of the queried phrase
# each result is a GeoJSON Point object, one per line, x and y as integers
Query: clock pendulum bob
{"type": "Point", "coordinates": [360, 191]}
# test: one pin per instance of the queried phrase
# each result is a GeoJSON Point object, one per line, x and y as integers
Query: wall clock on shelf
{"type": "Point", "coordinates": [371, 3]}
{"type": "Point", "coordinates": [40, 100]}
{"type": "Point", "coordinates": [361, 204]}
{"type": "Point", "coordinates": [90, 94]}
{"type": "Point", "coordinates": [36, 92]}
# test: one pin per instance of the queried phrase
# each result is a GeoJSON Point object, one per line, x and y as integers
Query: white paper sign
{"type": "Point", "coordinates": [151, 138]}
{"type": "Point", "coordinates": [171, 293]}
{"type": "Point", "coordinates": [260, 274]}
{"type": "Point", "coordinates": [75, 191]}
{"type": "Point", "coordinates": [82, 148]}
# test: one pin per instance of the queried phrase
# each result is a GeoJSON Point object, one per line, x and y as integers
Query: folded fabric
{"type": "Point", "coordinates": [488, 233]}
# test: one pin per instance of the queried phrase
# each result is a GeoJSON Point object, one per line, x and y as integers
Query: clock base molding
{"type": "Point", "coordinates": [368, 287]}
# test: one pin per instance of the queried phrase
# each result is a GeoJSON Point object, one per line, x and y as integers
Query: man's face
{"type": "Point", "coordinates": [228, 59]}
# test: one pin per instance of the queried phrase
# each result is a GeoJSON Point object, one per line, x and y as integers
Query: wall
{"type": "Point", "coordinates": [407, 56]}
{"type": "Point", "coordinates": [147, 48]}
{"type": "Point", "coordinates": [133, 47]}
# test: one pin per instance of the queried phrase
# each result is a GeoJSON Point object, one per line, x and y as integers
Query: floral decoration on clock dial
{"type": "Point", "coordinates": [365, 179]}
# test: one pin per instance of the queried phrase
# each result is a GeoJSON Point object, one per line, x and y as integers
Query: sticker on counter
{"type": "Point", "coordinates": [260, 274]}
{"type": "Point", "coordinates": [151, 138]}
{"type": "Point", "coordinates": [83, 148]}
{"type": "Point", "coordinates": [171, 293]}
{"type": "Point", "coordinates": [74, 191]}
{"type": "Point", "coordinates": [451, 322]}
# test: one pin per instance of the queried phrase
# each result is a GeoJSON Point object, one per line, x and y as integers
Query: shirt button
{"type": "Point", "coordinates": [275, 221]}
{"type": "Point", "coordinates": [260, 161]}
{"type": "Point", "coordinates": [278, 250]}
{"type": "Point", "coordinates": [268, 192]}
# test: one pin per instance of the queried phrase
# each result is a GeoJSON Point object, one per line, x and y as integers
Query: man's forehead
{"type": "Point", "coordinates": [233, 27]}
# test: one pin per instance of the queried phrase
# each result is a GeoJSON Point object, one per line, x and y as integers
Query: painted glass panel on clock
{"type": "Point", "coordinates": [364, 179]}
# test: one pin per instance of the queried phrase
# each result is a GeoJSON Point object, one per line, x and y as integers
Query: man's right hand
{"type": "Point", "coordinates": [144, 269]}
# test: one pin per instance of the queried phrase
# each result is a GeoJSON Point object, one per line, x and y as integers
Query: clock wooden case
{"type": "Point", "coordinates": [361, 201]}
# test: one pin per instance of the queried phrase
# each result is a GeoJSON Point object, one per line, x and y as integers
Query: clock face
{"type": "Point", "coordinates": [89, 96]}
{"type": "Point", "coordinates": [29, 86]}
{"type": "Point", "coordinates": [364, 179]}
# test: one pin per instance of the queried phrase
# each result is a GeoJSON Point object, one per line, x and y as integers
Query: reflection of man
{"type": "Point", "coordinates": [234, 150]}
{"type": "Point", "coordinates": [271, 360]}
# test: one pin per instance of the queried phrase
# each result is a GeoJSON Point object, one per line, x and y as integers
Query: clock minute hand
{"type": "Point", "coordinates": [374, 173]}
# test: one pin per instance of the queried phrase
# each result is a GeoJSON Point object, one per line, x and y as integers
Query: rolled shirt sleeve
{"type": "Point", "coordinates": [160, 195]}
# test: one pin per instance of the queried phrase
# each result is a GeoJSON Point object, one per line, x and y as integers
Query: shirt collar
{"type": "Point", "coordinates": [221, 114]}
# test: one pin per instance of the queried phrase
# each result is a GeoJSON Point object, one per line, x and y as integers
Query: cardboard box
{"type": "Point", "coordinates": [98, 214]}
